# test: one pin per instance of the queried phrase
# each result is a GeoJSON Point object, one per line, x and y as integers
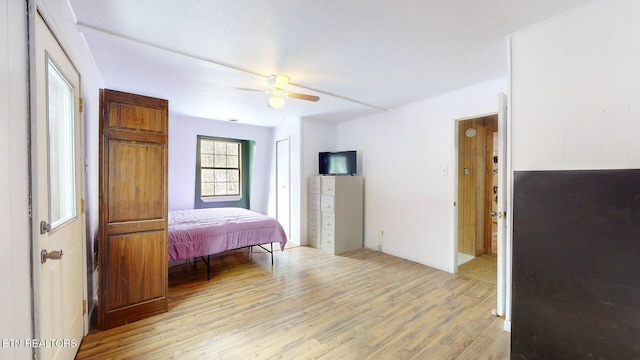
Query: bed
{"type": "Point", "coordinates": [198, 233]}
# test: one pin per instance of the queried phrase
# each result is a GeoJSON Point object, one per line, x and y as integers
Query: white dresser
{"type": "Point", "coordinates": [335, 213]}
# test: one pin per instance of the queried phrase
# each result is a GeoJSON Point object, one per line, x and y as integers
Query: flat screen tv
{"type": "Point", "coordinates": [337, 163]}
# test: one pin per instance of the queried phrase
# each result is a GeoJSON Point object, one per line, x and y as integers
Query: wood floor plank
{"type": "Point", "coordinates": [312, 305]}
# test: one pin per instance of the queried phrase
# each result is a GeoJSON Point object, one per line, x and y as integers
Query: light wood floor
{"type": "Point", "coordinates": [483, 267]}
{"type": "Point", "coordinates": [311, 305]}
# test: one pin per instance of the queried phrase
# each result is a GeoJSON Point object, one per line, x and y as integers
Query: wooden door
{"type": "Point", "coordinates": [133, 208]}
{"type": "Point", "coordinates": [57, 201]}
{"type": "Point", "coordinates": [283, 208]}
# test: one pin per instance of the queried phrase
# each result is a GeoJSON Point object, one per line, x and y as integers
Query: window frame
{"type": "Point", "coordinates": [61, 147]}
{"type": "Point", "coordinates": [199, 168]}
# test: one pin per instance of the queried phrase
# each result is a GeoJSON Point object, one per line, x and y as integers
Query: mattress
{"type": "Point", "coordinates": [200, 232]}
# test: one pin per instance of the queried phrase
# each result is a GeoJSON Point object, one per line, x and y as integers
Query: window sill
{"type": "Point", "coordinates": [220, 199]}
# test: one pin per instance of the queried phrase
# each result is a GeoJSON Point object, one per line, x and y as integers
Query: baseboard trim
{"type": "Point", "coordinates": [507, 326]}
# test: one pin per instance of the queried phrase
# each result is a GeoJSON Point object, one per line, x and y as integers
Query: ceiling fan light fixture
{"type": "Point", "coordinates": [276, 87]}
{"type": "Point", "coordinates": [276, 101]}
{"type": "Point", "coordinates": [279, 81]}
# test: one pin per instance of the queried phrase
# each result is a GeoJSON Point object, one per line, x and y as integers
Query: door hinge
{"type": "Point", "coordinates": [81, 104]}
{"type": "Point", "coordinates": [82, 206]}
{"type": "Point", "coordinates": [84, 307]}
{"type": "Point", "coordinates": [30, 213]}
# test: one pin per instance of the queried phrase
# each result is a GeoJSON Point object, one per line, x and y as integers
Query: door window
{"type": "Point", "coordinates": [61, 145]}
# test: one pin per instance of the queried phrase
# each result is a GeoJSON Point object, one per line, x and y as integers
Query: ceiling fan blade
{"type": "Point", "coordinates": [303, 96]}
{"type": "Point", "coordinates": [247, 89]}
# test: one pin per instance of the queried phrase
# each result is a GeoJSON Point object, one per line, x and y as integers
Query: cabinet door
{"type": "Point", "coordinates": [133, 208]}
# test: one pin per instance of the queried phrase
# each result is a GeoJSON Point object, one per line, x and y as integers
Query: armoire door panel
{"type": "Point", "coordinates": [134, 279]}
{"type": "Point", "coordinates": [132, 245]}
{"type": "Point", "coordinates": [135, 226]}
{"type": "Point", "coordinates": [128, 135]}
{"type": "Point", "coordinates": [136, 181]}
{"type": "Point", "coordinates": [132, 117]}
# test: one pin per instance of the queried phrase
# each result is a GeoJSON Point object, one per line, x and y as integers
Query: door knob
{"type": "Point", "coordinates": [54, 255]}
{"type": "Point", "coordinates": [493, 213]}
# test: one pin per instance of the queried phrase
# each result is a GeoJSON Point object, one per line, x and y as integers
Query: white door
{"type": "Point", "coordinates": [283, 210]}
{"type": "Point", "coordinates": [57, 184]}
{"type": "Point", "coordinates": [502, 203]}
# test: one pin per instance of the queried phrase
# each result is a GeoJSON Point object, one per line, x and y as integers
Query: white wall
{"type": "Point", "coordinates": [183, 132]}
{"type": "Point", "coordinates": [575, 85]}
{"type": "Point", "coordinates": [402, 154]}
{"type": "Point", "coordinates": [317, 136]}
{"type": "Point", "coordinates": [576, 90]}
{"type": "Point", "coordinates": [15, 253]}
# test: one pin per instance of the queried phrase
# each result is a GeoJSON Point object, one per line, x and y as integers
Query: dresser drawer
{"type": "Point", "coordinates": [328, 185]}
{"type": "Point", "coordinates": [314, 202]}
{"type": "Point", "coordinates": [328, 246]}
{"type": "Point", "coordinates": [328, 221]}
{"type": "Point", "coordinates": [314, 185]}
{"type": "Point", "coordinates": [327, 234]}
{"type": "Point", "coordinates": [327, 203]}
{"type": "Point", "coordinates": [314, 236]}
{"type": "Point", "coordinates": [314, 217]}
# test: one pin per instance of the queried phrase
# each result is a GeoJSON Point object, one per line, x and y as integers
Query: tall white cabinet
{"type": "Point", "coordinates": [335, 213]}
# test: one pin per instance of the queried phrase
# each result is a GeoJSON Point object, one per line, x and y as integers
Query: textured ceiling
{"type": "Point", "coordinates": [359, 56]}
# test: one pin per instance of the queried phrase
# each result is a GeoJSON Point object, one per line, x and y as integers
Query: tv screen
{"type": "Point", "coordinates": [337, 163]}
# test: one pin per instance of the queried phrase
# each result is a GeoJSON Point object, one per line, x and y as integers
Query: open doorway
{"type": "Point", "coordinates": [477, 197]}
{"type": "Point", "coordinates": [501, 271]}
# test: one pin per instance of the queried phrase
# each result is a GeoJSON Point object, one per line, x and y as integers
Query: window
{"type": "Point", "coordinates": [224, 172]}
{"type": "Point", "coordinates": [61, 147]}
{"type": "Point", "coordinates": [220, 168]}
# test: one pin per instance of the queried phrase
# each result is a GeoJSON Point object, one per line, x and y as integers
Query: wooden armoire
{"type": "Point", "coordinates": [132, 244]}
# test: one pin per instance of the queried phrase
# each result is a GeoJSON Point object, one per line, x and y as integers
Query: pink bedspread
{"type": "Point", "coordinates": [194, 233]}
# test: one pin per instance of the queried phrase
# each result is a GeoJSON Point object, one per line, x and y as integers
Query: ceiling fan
{"type": "Point", "coordinates": [277, 84]}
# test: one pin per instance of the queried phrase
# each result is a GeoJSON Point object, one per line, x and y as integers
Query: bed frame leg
{"type": "Point", "coordinates": [206, 262]}
{"type": "Point", "coordinates": [208, 269]}
{"type": "Point", "coordinates": [271, 254]}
